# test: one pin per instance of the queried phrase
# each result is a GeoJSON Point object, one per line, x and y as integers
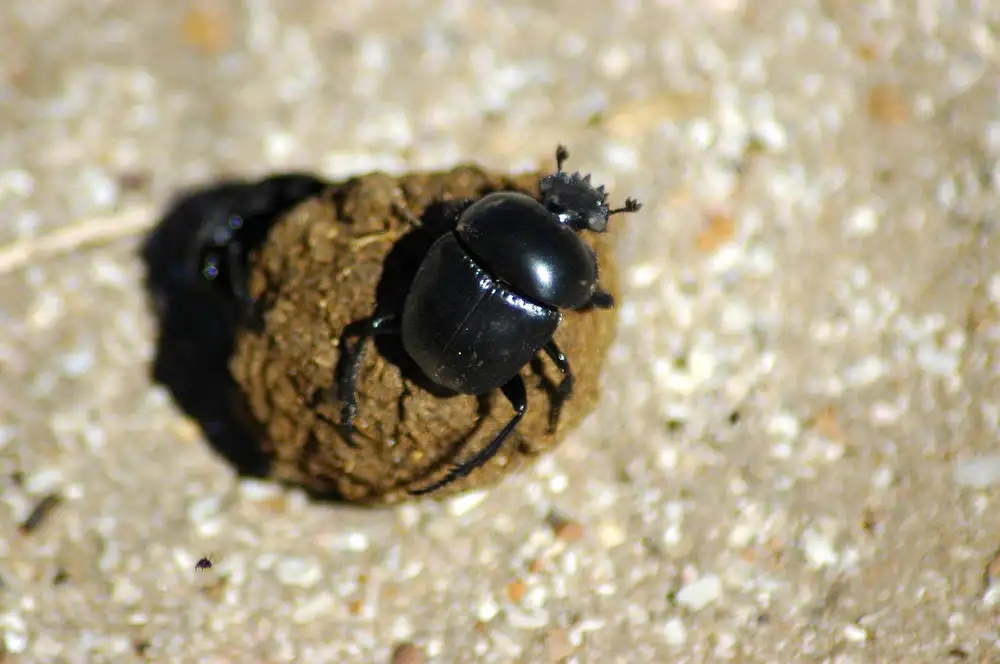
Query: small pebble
{"type": "Point", "coordinates": [313, 608]}
{"type": "Point", "coordinates": [516, 590]}
{"type": "Point", "coordinates": [784, 425]}
{"type": "Point", "coordinates": [15, 632]}
{"type": "Point", "coordinates": [46, 480]}
{"type": "Point", "coordinates": [725, 646]}
{"type": "Point", "coordinates": [503, 641]}
{"type": "Point", "coordinates": [978, 472]}
{"type": "Point", "coordinates": [862, 222]}
{"type": "Point", "coordinates": [527, 620]}
{"type": "Point", "coordinates": [772, 134]}
{"type": "Point", "coordinates": [256, 490]}
{"type": "Point", "coordinates": [16, 182]}
{"type": "Point", "coordinates": [125, 592]}
{"type": "Point", "coordinates": [351, 541]}
{"type": "Point", "coordinates": [408, 515]}
{"type": "Point", "coordinates": [299, 572]}
{"type": "Point", "coordinates": [636, 614]}
{"type": "Point", "coordinates": [718, 230]}
{"type": "Point", "coordinates": [674, 632]}
{"type": "Point", "coordinates": [487, 610]}
{"type": "Point", "coordinates": [818, 549]}
{"type": "Point", "coordinates": [698, 594]}
{"type": "Point", "coordinates": [558, 483]}
{"type": "Point", "coordinates": [186, 429]}
{"type": "Point", "coordinates": [615, 62]}
{"type": "Point", "coordinates": [401, 629]}
{"type": "Point", "coordinates": [611, 534]}
{"type": "Point", "coordinates": [644, 275]}
{"type": "Point", "coordinates": [407, 653]}
{"type": "Point", "coordinates": [583, 627]}
{"type": "Point", "coordinates": [203, 511]}
{"type": "Point", "coordinates": [855, 633]}
{"type": "Point", "coordinates": [466, 502]}
{"type": "Point", "coordinates": [569, 531]}
{"type": "Point", "coordinates": [557, 646]}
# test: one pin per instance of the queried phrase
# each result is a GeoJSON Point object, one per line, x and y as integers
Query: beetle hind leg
{"type": "Point", "coordinates": [516, 393]}
{"type": "Point", "coordinates": [352, 358]}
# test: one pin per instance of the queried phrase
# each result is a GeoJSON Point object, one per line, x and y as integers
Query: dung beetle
{"type": "Point", "coordinates": [488, 297]}
{"type": "Point", "coordinates": [238, 224]}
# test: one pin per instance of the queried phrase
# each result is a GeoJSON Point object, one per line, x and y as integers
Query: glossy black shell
{"type": "Point", "coordinates": [481, 333]}
{"type": "Point", "coordinates": [516, 240]}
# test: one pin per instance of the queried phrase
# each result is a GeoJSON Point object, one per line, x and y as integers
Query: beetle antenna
{"type": "Point", "coordinates": [631, 205]}
{"type": "Point", "coordinates": [562, 154]}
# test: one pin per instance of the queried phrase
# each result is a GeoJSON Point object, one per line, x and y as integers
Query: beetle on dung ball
{"type": "Point", "coordinates": [488, 298]}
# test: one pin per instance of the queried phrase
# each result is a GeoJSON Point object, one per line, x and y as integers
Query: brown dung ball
{"type": "Point", "coordinates": [324, 266]}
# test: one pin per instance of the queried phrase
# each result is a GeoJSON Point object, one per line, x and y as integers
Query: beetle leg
{"type": "Point", "coordinates": [601, 299]}
{"type": "Point", "coordinates": [631, 205]}
{"type": "Point", "coordinates": [565, 389]}
{"type": "Point", "coordinates": [562, 154]}
{"type": "Point", "coordinates": [375, 326]}
{"type": "Point", "coordinates": [238, 280]}
{"type": "Point", "coordinates": [515, 392]}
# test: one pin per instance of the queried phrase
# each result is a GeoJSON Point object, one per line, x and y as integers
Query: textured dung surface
{"type": "Point", "coordinates": [795, 453]}
{"type": "Point", "coordinates": [321, 269]}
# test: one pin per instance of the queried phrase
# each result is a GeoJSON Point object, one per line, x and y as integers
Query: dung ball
{"type": "Point", "coordinates": [324, 266]}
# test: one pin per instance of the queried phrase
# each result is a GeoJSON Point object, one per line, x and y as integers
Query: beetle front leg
{"type": "Point", "coordinates": [352, 359]}
{"type": "Point", "coordinates": [601, 299]}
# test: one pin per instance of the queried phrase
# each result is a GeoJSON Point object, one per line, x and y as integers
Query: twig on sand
{"type": "Point", "coordinates": [88, 232]}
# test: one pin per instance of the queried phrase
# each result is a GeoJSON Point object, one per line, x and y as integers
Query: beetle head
{"type": "Point", "coordinates": [576, 201]}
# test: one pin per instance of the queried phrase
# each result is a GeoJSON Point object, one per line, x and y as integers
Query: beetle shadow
{"type": "Point", "coordinates": [196, 325]}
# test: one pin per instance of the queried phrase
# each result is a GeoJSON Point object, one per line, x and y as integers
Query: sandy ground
{"type": "Point", "coordinates": [795, 456]}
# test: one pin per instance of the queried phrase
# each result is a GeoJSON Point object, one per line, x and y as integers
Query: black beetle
{"type": "Point", "coordinates": [488, 295]}
{"type": "Point", "coordinates": [239, 224]}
